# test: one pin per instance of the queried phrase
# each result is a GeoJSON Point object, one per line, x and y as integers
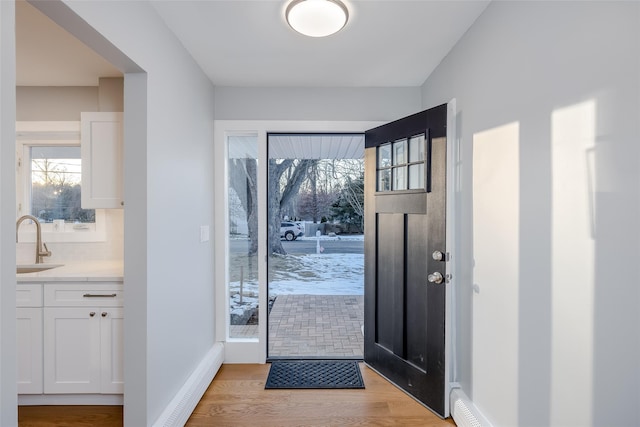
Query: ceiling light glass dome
{"type": "Point", "coordinates": [317, 18]}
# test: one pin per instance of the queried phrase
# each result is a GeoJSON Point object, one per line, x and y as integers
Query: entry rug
{"type": "Point", "coordinates": [314, 374]}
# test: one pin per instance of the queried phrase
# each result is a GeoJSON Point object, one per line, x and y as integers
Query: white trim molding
{"type": "Point", "coordinates": [464, 412]}
{"type": "Point", "coordinates": [180, 408]}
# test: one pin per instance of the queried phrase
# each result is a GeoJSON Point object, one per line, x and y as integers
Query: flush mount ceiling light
{"type": "Point", "coordinates": [317, 18]}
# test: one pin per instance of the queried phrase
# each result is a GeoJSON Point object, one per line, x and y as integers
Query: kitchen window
{"type": "Point", "coordinates": [55, 173]}
{"type": "Point", "coordinates": [48, 177]}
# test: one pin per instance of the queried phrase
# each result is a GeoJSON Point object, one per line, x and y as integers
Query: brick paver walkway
{"type": "Point", "coordinates": [316, 325]}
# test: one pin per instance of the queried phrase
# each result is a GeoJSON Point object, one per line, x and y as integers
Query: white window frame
{"type": "Point", "coordinates": [252, 350]}
{"type": "Point", "coordinates": [41, 133]}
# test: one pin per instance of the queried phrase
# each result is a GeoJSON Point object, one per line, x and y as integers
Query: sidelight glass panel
{"type": "Point", "coordinates": [243, 236]}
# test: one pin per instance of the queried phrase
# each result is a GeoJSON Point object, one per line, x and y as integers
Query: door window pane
{"type": "Point", "coordinates": [416, 176]}
{"type": "Point", "coordinates": [400, 178]}
{"type": "Point", "coordinates": [384, 156]}
{"type": "Point", "coordinates": [400, 152]}
{"type": "Point", "coordinates": [416, 148]}
{"type": "Point", "coordinates": [384, 180]}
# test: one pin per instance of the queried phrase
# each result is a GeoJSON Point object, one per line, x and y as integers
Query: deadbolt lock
{"type": "Point", "coordinates": [437, 256]}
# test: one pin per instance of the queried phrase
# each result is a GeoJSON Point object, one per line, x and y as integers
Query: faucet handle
{"type": "Point", "coordinates": [46, 252]}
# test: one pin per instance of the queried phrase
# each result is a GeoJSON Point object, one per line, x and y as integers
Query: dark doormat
{"type": "Point", "coordinates": [314, 374]}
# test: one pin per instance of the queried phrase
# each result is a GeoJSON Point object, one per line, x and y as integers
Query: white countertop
{"type": "Point", "coordinates": [86, 271]}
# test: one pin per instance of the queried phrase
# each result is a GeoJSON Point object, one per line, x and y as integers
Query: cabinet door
{"type": "Point", "coordinates": [111, 336]}
{"type": "Point", "coordinates": [29, 344]}
{"type": "Point", "coordinates": [71, 350]}
{"type": "Point", "coordinates": [101, 150]}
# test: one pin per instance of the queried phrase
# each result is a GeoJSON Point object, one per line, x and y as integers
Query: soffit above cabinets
{"type": "Point", "coordinates": [47, 55]}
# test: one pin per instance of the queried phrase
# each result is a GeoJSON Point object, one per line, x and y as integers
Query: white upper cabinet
{"type": "Point", "coordinates": [101, 136]}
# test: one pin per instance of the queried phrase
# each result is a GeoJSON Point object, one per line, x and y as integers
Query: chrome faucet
{"type": "Point", "coordinates": [39, 252]}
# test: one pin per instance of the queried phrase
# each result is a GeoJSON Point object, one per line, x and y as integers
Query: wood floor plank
{"type": "Point", "coordinates": [70, 416]}
{"type": "Point", "coordinates": [237, 398]}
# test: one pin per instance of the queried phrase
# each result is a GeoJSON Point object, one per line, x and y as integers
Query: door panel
{"type": "Point", "coordinates": [416, 291]}
{"type": "Point", "coordinates": [389, 296]}
{"type": "Point", "coordinates": [404, 310]}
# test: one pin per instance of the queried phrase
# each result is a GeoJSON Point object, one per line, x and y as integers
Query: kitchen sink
{"type": "Point", "coordinates": [35, 268]}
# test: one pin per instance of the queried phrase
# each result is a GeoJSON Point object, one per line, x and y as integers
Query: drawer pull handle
{"type": "Point", "coordinates": [93, 313]}
{"type": "Point", "coordinates": [99, 296]}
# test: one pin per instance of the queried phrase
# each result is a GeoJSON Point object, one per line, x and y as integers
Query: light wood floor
{"type": "Point", "coordinates": [237, 398]}
{"type": "Point", "coordinates": [69, 416]}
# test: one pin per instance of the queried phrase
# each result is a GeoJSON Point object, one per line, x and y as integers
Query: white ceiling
{"type": "Point", "coordinates": [387, 43]}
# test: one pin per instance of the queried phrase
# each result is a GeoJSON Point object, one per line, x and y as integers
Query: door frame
{"type": "Point", "coordinates": [252, 350]}
{"type": "Point", "coordinates": [255, 350]}
{"type": "Point", "coordinates": [452, 272]}
{"type": "Point", "coordinates": [453, 184]}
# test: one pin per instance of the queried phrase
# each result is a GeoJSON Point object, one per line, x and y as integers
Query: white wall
{"type": "Point", "coordinates": [168, 151]}
{"type": "Point", "coordinates": [548, 97]}
{"type": "Point", "coordinates": [8, 389]}
{"type": "Point", "coordinates": [339, 104]}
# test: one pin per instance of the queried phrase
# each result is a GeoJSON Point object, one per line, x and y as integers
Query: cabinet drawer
{"type": "Point", "coordinates": [29, 295]}
{"type": "Point", "coordinates": [75, 295]}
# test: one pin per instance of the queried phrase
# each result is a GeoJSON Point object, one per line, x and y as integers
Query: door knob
{"type": "Point", "coordinates": [435, 277]}
{"type": "Point", "coordinates": [437, 256]}
{"type": "Point", "coordinates": [104, 314]}
{"type": "Point", "coordinates": [93, 313]}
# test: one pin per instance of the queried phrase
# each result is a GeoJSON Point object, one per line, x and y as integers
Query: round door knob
{"type": "Point", "coordinates": [93, 313]}
{"type": "Point", "coordinates": [437, 256]}
{"type": "Point", "coordinates": [435, 277]}
{"type": "Point", "coordinates": [104, 314]}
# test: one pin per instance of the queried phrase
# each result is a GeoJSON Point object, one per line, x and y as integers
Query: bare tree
{"type": "Point", "coordinates": [281, 192]}
{"type": "Point", "coordinates": [243, 175]}
{"type": "Point", "coordinates": [353, 193]}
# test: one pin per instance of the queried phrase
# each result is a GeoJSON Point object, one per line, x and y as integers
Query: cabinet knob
{"type": "Point", "coordinates": [93, 313]}
{"type": "Point", "coordinates": [104, 314]}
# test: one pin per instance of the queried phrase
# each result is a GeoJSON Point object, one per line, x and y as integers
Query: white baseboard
{"type": "Point", "coordinates": [69, 399]}
{"type": "Point", "coordinates": [464, 412]}
{"type": "Point", "coordinates": [180, 408]}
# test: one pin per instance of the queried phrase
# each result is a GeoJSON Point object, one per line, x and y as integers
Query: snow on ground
{"type": "Point", "coordinates": [324, 274]}
{"type": "Point", "coordinates": [315, 274]}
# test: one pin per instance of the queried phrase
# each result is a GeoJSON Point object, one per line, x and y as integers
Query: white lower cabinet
{"type": "Point", "coordinates": [29, 338]}
{"type": "Point", "coordinates": [83, 350]}
{"type": "Point", "coordinates": [29, 345]}
{"type": "Point", "coordinates": [111, 338]}
{"type": "Point", "coordinates": [73, 344]}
